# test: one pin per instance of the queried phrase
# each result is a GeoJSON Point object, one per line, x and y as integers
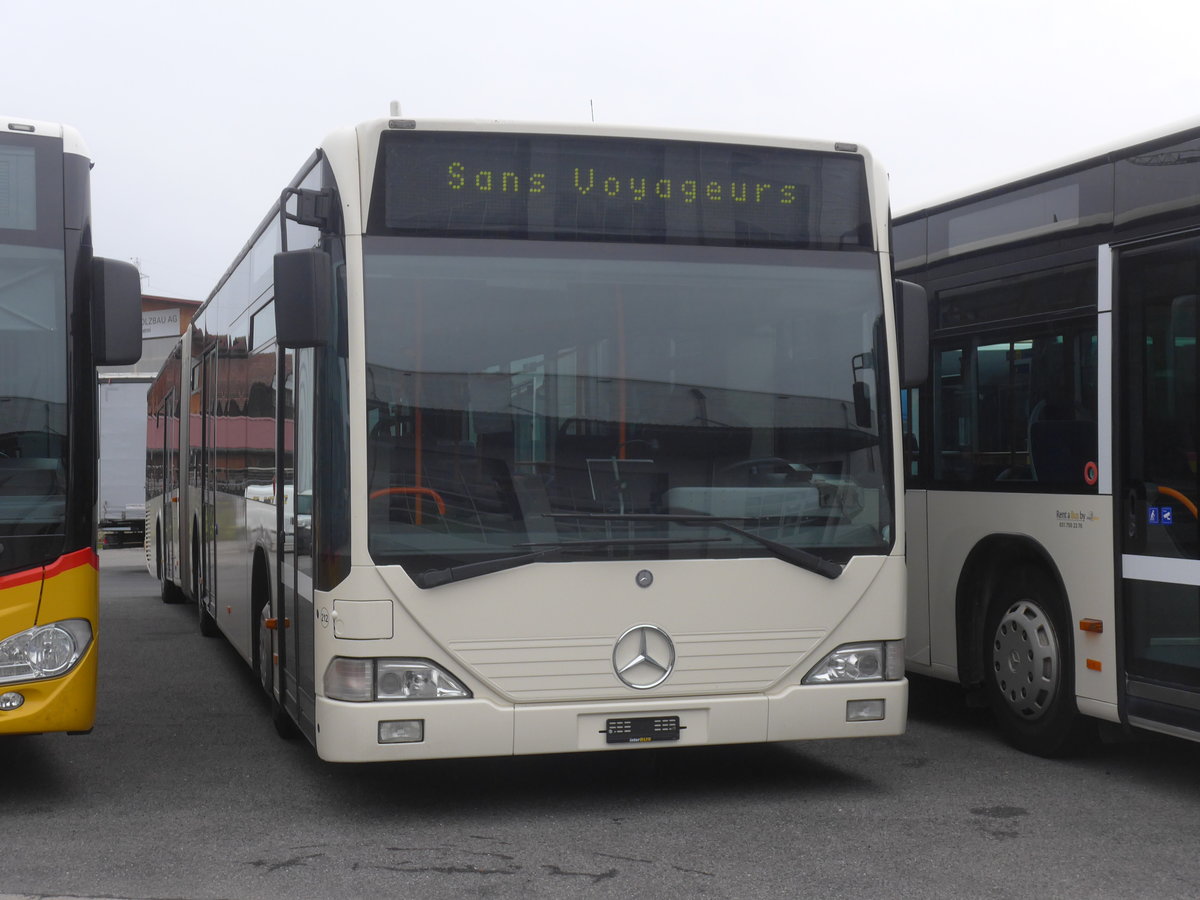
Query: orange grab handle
{"type": "Point", "coordinates": [424, 492]}
{"type": "Point", "coordinates": [1171, 492]}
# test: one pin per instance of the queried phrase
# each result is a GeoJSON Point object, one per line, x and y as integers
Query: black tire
{"type": "Point", "coordinates": [208, 625]}
{"type": "Point", "coordinates": [1028, 664]}
{"type": "Point", "coordinates": [171, 593]}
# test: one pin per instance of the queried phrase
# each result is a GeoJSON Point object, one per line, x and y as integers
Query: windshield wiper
{"type": "Point", "coordinates": [438, 577]}
{"type": "Point", "coordinates": [793, 555]}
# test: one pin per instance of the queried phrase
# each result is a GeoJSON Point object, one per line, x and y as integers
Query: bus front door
{"type": "Point", "coordinates": [296, 467]}
{"type": "Point", "coordinates": [1155, 299]}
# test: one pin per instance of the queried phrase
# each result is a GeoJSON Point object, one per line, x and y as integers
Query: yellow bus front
{"type": "Point", "coordinates": [49, 618]}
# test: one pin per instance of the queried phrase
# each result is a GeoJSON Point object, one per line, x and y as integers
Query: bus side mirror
{"type": "Point", "coordinates": [303, 297]}
{"type": "Point", "coordinates": [912, 316]}
{"type": "Point", "coordinates": [116, 312]}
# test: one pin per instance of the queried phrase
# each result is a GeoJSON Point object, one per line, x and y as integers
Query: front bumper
{"type": "Point", "coordinates": [348, 732]}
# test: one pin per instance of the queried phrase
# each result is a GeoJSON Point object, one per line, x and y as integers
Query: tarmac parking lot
{"type": "Point", "coordinates": [183, 790]}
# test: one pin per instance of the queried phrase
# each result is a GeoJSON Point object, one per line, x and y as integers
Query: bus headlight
{"type": "Point", "coordinates": [415, 679]}
{"type": "Point", "coordinates": [363, 680]}
{"type": "Point", "coordinates": [44, 651]}
{"type": "Point", "coordinates": [875, 661]}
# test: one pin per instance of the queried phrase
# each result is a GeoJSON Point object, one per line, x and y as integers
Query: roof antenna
{"type": "Point", "coordinates": [592, 104]}
{"type": "Point", "coordinates": [395, 109]}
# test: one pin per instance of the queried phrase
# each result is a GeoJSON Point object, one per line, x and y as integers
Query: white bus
{"type": "Point", "coordinates": [590, 433]}
{"type": "Point", "coordinates": [1054, 548]}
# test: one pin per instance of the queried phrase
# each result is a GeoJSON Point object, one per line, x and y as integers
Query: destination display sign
{"type": "Point", "coordinates": [554, 187]}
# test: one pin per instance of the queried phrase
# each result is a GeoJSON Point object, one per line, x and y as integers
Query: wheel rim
{"type": "Point", "coordinates": [1026, 660]}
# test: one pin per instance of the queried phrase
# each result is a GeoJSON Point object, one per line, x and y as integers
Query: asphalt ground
{"type": "Point", "coordinates": [184, 792]}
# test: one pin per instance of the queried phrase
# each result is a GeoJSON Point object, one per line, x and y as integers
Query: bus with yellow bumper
{"type": "Point", "coordinates": [63, 312]}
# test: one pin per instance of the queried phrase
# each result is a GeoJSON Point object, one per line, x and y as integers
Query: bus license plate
{"type": "Point", "coordinates": [642, 730]}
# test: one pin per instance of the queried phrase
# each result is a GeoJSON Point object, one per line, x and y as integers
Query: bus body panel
{"type": "Point", "coordinates": [1098, 709]}
{"type": "Point", "coordinates": [518, 675]}
{"type": "Point", "coordinates": [730, 629]}
{"type": "Point", "coordinates": [57, 704]}
{"type": "Point", "coordinates": [348, 732]}
{"type": "Point", "coordinates": [1084, 563]}
{"type": "Point", "coordinates": [233, 552]}
{"type": "Point", "coordinates": [918, 637]}
{"type": "Point", "coordinates": [67, 589]}
{"type": "Point", "coordinates": [20, 593]}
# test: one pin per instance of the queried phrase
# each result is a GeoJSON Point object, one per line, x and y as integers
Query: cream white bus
{"type": "Point", "coordinates": [590, 434]}
{"type": "Point", "coordinates": [1054, 547]}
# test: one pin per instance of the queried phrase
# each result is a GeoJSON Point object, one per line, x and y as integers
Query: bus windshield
{"type": "Point", "coordinates": [33, 405]}
{"type": "Point", "coordinates": [578, 401]}
{"type": "Point", "coordinates": [33, 354]}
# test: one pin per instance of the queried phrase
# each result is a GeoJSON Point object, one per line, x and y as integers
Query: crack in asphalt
{"type": "Point", "coordinates": [596, 877]}
{"type": "Point", "coordinates": [269, 866]}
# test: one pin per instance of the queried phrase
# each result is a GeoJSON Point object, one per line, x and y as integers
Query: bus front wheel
{"type": "Point", "coordinates": [1028, 667]}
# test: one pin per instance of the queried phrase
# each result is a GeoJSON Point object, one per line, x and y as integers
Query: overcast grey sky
{"type": "Point", "coordinates": [197, 114]}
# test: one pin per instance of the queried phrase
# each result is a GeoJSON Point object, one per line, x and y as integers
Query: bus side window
{"type": "Point", "coordinates": [953, 426]}
{"type": "Point", "coordinates": [1062, 427]}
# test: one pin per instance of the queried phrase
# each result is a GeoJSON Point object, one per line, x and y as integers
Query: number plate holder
{"type": "Point", "coordinates": [642, 730]}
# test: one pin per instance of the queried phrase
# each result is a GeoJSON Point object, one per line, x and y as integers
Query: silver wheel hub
{"type": "Point", "coordinates": [1026, 661]}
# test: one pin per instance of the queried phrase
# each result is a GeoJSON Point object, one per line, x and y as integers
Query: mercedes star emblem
{"type": "Point", "coordinates": [643, 657]}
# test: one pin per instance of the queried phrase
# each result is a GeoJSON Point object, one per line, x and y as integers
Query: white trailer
{"type": "Point", "coordinates": [121, 495]}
